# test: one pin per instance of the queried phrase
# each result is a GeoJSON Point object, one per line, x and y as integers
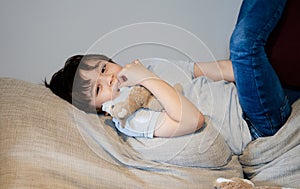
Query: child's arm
{"type": "Point", "coordinates": [218, 70]}
{"type": "Point", "coordinates": [180, 117]}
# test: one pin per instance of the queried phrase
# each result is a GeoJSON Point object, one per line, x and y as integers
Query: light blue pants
{"type": "Point", "coordinates": [261, 96]}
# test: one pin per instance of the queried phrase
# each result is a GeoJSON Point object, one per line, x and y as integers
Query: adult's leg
{"type": "Point", "coordinates": [261, 96]}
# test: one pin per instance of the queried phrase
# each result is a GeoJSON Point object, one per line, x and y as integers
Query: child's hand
{"type": "Point", "coordinates": [133, 74]}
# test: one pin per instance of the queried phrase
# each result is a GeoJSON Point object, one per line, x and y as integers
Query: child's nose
{"type": "Point", "coordinates": [106, 78]}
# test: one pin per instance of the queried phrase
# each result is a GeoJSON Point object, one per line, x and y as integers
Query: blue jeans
{"type": "Point", "coordinates": [264, 104]}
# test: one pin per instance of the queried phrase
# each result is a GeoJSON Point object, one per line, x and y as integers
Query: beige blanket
{"type": "Point", "coordinates": [47, 143]}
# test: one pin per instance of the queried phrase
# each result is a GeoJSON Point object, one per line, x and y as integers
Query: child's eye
{"type": "Point", "coordinates": [97, 89]}
{"type": "Point", "coordinates": [103, 68]}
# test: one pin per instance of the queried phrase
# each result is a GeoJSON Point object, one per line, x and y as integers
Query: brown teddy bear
{"type": "Point", "coordinates": [238, 183]}
{"type": "Point", "coordinates": [133, 98]}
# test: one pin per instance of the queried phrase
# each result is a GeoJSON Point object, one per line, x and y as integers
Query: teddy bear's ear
{"type": "Point", "coordinates": [119, 110]}
{"type": "Point", "coordinates": [122, 113]}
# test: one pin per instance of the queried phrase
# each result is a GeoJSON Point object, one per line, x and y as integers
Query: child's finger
{"type": "Point", "coordinates": [124, 84]}
{"type": "Point", "coordinates": [122, 78]}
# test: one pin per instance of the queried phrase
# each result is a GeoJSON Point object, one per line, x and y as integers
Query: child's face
{"type": "Point", "coordinates": [104, 82]}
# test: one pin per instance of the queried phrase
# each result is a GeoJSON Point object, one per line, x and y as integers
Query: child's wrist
{"type": "Point", "coordinates": [147, 80]}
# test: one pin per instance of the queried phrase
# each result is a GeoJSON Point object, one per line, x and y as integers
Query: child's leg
{"type": "Point", "coordinates": [260, 93]}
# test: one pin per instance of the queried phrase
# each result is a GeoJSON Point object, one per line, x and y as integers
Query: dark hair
{"type": "Point", "coordinates": [70, 86]}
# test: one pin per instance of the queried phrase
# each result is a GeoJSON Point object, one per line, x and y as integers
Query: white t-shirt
{"type": "Point", "coordinates": [217, 100]}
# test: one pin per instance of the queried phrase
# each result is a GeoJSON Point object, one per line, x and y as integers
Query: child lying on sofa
{"type": "Point", "coordinates": [260, 110]}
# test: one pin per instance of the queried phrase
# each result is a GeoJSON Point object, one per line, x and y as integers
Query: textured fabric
{"type": "Point", "coordinates": [275, 160]}
{"type": "Point", "coordinates": [206, 148]}
{"type": "Point", "coordinates": [219, 102]}
{"type": "Point", "coordinates": [47, 143]}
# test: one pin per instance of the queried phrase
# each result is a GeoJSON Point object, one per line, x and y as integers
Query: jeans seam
{"type": "Point", "coordinates": [268, 116]}
{"type": "Point", "coordinates": [257, 133]}
{"type": "Point", "coordinates": [255, 44]}
{"type": "Point", "coordinates": [283, 107]}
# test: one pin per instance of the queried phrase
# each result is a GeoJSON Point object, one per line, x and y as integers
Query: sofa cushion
{"type": "Point", "coordinates": [283, 46]}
